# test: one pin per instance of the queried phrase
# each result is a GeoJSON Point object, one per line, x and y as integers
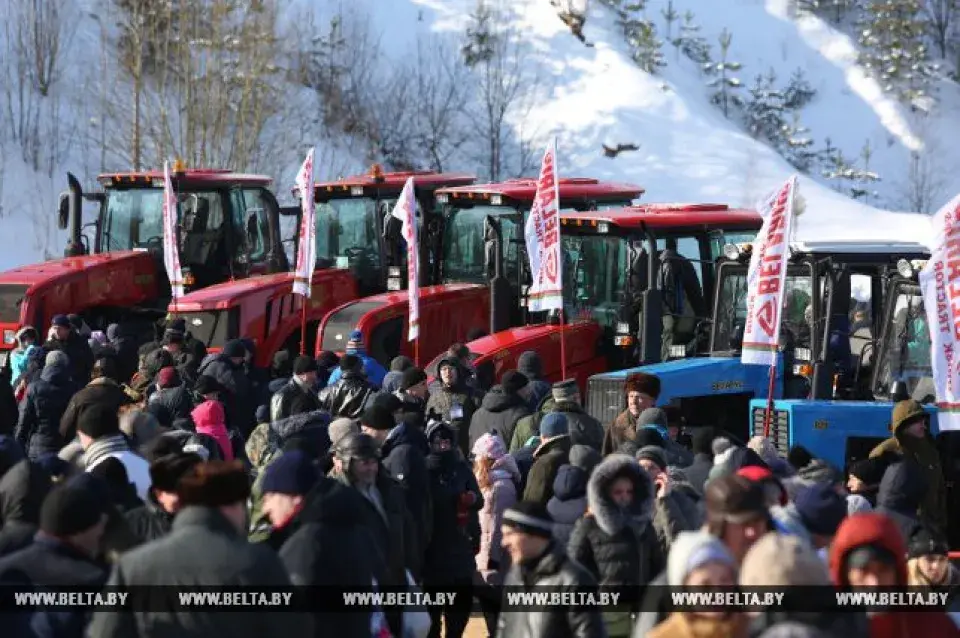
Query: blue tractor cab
{"type": "Point", "coordinates": [821, 355]}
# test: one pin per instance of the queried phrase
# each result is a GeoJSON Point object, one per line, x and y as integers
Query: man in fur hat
{"type": "Point", "coordinates": [642, 391]}
{"type": "Point", "coordinates": [206, 547]}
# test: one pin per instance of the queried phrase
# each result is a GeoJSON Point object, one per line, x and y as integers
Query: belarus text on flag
{"type": "Point", "coordinates": [542, 234]}
{"type": "Point", "coordinates": [307, 250]}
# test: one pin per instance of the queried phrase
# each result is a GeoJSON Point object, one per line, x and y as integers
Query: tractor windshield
{"type": "Point", "coordinates": [464, 245]}
{"type": "Point", "coordinates": [133, 218]}
{"type": "Point", "coordinates": [905, 350]}
{"type": "Point", "coordinates": [594, 276]}
{"type": "Point", "coordinates": [797, 321]}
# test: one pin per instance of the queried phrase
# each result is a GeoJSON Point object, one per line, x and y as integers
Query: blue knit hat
{"type": "Point", "coordinates": [821, 508]}
{"type": "Point", "coordinates": [553, 424]}
{"type": "Point", "coordinates": [355, 342]}
{"type": "Point", "coordinates": [292, 473]}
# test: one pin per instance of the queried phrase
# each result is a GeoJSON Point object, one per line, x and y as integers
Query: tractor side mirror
{"type": "Point", "coordinates": [63, 211]}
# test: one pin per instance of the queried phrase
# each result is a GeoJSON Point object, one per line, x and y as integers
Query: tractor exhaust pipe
{"type": "Point", "coordinates": [75, 246]}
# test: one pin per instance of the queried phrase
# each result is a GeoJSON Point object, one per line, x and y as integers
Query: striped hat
{"type": "Point", "coordinates": [529, 517]}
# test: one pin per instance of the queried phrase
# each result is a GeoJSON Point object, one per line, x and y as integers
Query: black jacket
{"type": "Point", "coordinates": [78, 351]}
{"type": "Point", "coordinates": [329, 545]}
{"type": "Point", "coordinates": [552, 570]}
{"type": "Point", "coordinates": [240, 406]}
{"type": "Point", "coordinates": [449, 558]}
{"type": "Point", "coordinates": [99, 392]}
{"type": "Point", "coordinates": [547, 461]}
{"type": "Point", "coordinates": [45, 403]}
{"type": "Point", "coordinates": [22, 490]}
{"type": "Point", "coordinates": [9, 410]}
{"type": "Point", "coordinates": [498, 411]}
{"type": "Point", "coordinates": [149, 521]}
{"type": "Point", "coordinates": [404, 455]}
{"type": "Point", "coordinates": [348, 396]}
{"type": "Point", "coordinates": [178, 399]}
{"type": "Point", "coordinates": [292, 399]}
{"type": "Point", "coordinates": [698, 471]}
{"type": "Point", "coordinates": [901, 493]}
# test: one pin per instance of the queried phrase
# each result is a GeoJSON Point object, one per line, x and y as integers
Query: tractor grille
{"type": "Point", "coordinates": [605, 399]}
{"type": "Point", "coordinates": [779, 428]}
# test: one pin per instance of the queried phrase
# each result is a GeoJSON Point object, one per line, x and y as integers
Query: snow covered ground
{"type": "Point", "coordinates": [588, 96]}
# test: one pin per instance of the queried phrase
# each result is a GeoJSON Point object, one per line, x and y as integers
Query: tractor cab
{"type": "Point", "coordinates": [612, 286]}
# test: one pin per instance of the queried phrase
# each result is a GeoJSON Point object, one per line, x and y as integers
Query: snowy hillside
{"type": "Point", "coordinates": [588, 96]}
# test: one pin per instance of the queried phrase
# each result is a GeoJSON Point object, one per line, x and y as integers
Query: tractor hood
{"type": "Point", "coordinates": [57, 271]}
{"type": "Point", "coordinates": [327, 286]}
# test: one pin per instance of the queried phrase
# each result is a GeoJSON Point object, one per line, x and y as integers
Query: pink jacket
{"type": "Point", "coordinates": [210, 419]}
{"type": "Point", "coordinates": [500, 495]}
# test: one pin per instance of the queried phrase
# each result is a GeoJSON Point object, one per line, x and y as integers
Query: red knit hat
{"type": "Point", "coordinates": [757, 474]}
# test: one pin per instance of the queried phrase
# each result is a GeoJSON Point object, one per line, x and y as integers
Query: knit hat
{"type": "Point", "coordinates": [649, 436]}
{"type": "Point", "coordinates": [690, 551]}
{"type": "Point", "coordinates": [570, 483]}
{"type": "Point", "coordinates": [820, 471]}
{"type": "Point", "coordinates": [565, 391]}
{"type": "Point", "coordinates": [530, 518]}
{"type": "Point", "coordinates": [584, 457]}
{"type": "Point", "coordinates": [339, 428]}
{"type": "Point", "coordinates": [778, 560]}
{"type": "Point", "coordinates": [734, 499]}
{"type": "Point", "coordinates": [441, 429]}
{"type": "Point", "coordinates": [70, 509]}
{"type": "Point", "coordinates": [378, 418]}
{"type": "Point", "coordinates": [489, 446]}
{"type": "Point", "coordinates": [304, 364]}
{"type": "Point", "coordinates": [702, 439]}
{"type": "Point", "coordinates": [904, 412]}
{"type": "Point", "coordinates": [799, 457]}
{"type": "Point", "coordinates": [870, 471]}
{"type": "Point", "coordinates": [214, 483]}
{"type": "Point", "coordinates": [643, 383]}
{"type": "Point", "coordinates": [925, 542]}
{"type": "Point", "coordinates": [654, 419]}
{"type": "Point", "coordinates": [166, 471]}
{"type": "Point", "coordinates": [401, 363]}
{"type": "Point", "coordinates": [327, 359]}
{"type": "Point", "coordinates": [292, 473]}
{"type": "Point", "coordinates": [411, 377]}
{"type": "Point", "coordinates": [208, 385]}
{"type": "Point", "coordinates": [168, 378]}
{"type": "Point", "coordinates": [98, 421]}
{"type": "Point", "coordinates": [654, 454]}
{"type": "Point", "coordinates": [56, 358]}
{"type": "Point", "coordinates": [766, 478]}
{"type": "Point", "coordinates": [61, 321]}
{"type": "Point", "coordinates": [553, 424]}
{"type": "Point", "coordinates": [530, 365]}
{"type": "Point", "coordinates": [389, 402]}
{"type": "Point", "coordinates": [234, 349]}
{"type": "Point", "coordinates": [821, 508]}
{"type": "Point", "coordinates": [513, 381]}
{"type": "Point", "coordinates": [354, 342]}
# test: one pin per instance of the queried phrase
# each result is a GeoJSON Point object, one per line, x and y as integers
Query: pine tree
{"type": "Point", "coordinates": [798, 92]}
{"type": "Point", "coordinates": [670, 16]}
{"type": "Point", "coordinates": [798, 146]}
{"type": "Point", "coordinates": [641, 35]}
{"type": "Point", "coordinates": [864, 177]}
{"type": "Point", "coordinates": [725, 83]}
{"type": "Point", "coordinates": [893, 49]}
{"type": "Point", "coordinates": [482, 37]}
{"type": "Point", "coordinates": [764, 112]}
{"type": "Point", "coordinates": [691, 43]}
{"type": "Point", "coordinates": [852, 180]}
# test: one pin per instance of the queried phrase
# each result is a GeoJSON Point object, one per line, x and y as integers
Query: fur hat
{"type": "Point", "coordinates": [779, 560]}
{"type": "Point", "coordinates": [342, 427]}
{"type": "Point", "coordinates": [166, 471]}
{"type": "Point", "coordinates": [643, 383]}
{"type": "Point", "coordinates": [565, 391]}
{"type": "Point", "coordinates": [214, 484]}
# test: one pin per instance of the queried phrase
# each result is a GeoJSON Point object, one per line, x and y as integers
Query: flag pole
{"type": "Point", "coordinates": [769, 411]}
{"type": "Point", "coordinates": [303, 319]}
{"type": "Point", "coordinates": [563, 343]}
{"type": "Point", "coordinates": [416, 351]}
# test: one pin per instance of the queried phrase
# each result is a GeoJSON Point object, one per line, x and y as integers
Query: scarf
{"type": "Point", "coordinates": [102, 448]}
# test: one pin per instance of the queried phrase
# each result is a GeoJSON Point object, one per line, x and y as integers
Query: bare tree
{"type": "Point", "coordinates": [927, 178]}
{"type": "Point", "coordinates": [940, 16]}
{"type": "Point", "coordinates": [441, 83]}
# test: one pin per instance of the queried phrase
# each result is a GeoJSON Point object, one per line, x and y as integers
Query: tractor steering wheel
{"type": "Point", "coordinates": [153, 243]}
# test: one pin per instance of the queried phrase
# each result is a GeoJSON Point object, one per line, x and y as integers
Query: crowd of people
{"type": "Point", "coordinates": [165, 465]}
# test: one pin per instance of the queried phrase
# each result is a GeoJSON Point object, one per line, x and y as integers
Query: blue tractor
{"type": "Point", "coordinates": [833, 299]}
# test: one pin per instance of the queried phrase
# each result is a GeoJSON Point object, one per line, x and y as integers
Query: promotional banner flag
{"type": "Point", "coordinates": [406, 211]}
{"type": "Point", "coordinates": [171, 250]}
{"type": "Point", "coordinates": [940, 287]}
{"type": "Point", "coordinates": [766, 277]}
{"type": "Point", "coordinates": [542, 234]}
{"type": "Point", "coordinates": [307, 250]}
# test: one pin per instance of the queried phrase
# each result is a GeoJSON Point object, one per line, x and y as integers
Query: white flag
{"type": "Point", "coordinates": [542, 233]}
{"type": "Point", "coordinates": [767, 275]}
{"type": "Point", "coordinates": [940, 286]}
{"type": "Point", "coordinates": [307, 250]}
{"type": "Point", "coordinates": [406, 212]}
{"type": "Point", "coordinates": [171, 250]}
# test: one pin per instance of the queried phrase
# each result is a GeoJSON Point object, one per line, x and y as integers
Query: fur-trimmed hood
{"type": "Point", "coordinates": [610, 518]}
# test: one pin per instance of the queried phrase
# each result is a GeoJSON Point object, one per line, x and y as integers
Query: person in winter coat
{"type": "Point", "coordinates": [98, 429]}
{"type": "Point", "coordinates": [615, 540]}
{"type": "Point", "coordinates": [699, 470]}
{"type": "Point", "coordinates": [26, 338]}
{"type": "Point", "coordinates": [656, 419]}
{"type": "Point", "coordinates": [583, 428]}
{"type": "Point", "coordinates": [413, 393]}
{"type": "Point", "coordinates": [173, 392]}
{"type": "Point", "coordinates": [228, 369]}
{"type": "Point", "coordinates": [327, 362]}
{"type": "Point", "coordinates": [530, 365]}
{"type": "Point", "coordinates": [391, 381]}
{"type": "Point", "coordinates": [453, 400]}
{"type": "Point", "coordinates": [642, 391]}
{"type": "Point", "coordinates": [569, 501]}
{"type": "Point", "coordinates": [912, 440]}
{"type": "Point", "coordinates": [285, 485]}
{"type": "Point", "coordinates": [210, 419]}
{"type": "Point", "coordinates": [372, 370]}
{"type": "Point", "coordinates": [868, 551]}
{"type": "Point", "coordinates": [22, 490]}
{"type": "Point", "coordinates": [125, 348]}
{"type": "Point", "coordinates": [864, 476]}
{"type": "Point", "coordinates": [349, 394]}
{"type": "Point", "coordinates": [38, 430]}
{"type": "Point", "coordinates": [539, 561]}
{"type": "Point", "coordinates": [103, 390]}
{"type": "Point", "coordinates": [63, 554]}
{"type": "Point", "coordinates": [497, 477]}
{"type": "Point", "coordinates": [205, 547]}
{"type": "Point", "coordinates": [69, 341]}
{"type": "Point", "coordinates": [298, 395]}
{"type": "Point", "coordinates": [529, 426]}
{"type": "Point", "coordinates": [121, 492]}
{"type": "Point", "coordinates": [456, 498]}
{"type": "Point", "coordinates": [901, 495]}
{"type": "Point", "coordinates": [501, 408]}
{"type": "Point", "coordinates": [154, 518]}
{"type": "Point", "coordinates": [699, 559]}
{"type": "Point", "coordinates": [9, 410]}
{"type": "Point", "coordinates": [929, 566]}
{"type": "Point", "coordinates": [674, 511]}
{"type": "Point", "coordinates": [552, 452]}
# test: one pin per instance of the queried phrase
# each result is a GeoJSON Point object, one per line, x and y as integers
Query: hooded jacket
{"type": "Point", "coordinates": [531, 366]}
{"type": "Point", "coordinates": [177, 399]}
{"type": "Point", "coordinates": [569, 501]}
{"type": "Point", "coordinates": [22, 490]}
{"type": "Point", "coordinates": [498, 411]}
{"type": "Point", "coordinates": [78, 352]}
{"type": "Point", "coordinates": [38, 430]}
{"type": "Point", "coordinates": [209, 419]}
{"type": "Point", "coordinates": [901, 493]}
{"type": "Point", "coordinates": [500, 495]}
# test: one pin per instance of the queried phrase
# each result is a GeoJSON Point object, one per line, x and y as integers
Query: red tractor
{"type": "Point", "coordinates": [612, 284]}
{"type": "Point", "coordinates": [358, 253]}
{"type": "Point", "coordinates": [229, 228]}
{"type": "Point", "coordinates": [478, 249]}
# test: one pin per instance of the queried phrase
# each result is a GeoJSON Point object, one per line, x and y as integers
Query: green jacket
{"type": "Point", "coordinates": [529, 426]}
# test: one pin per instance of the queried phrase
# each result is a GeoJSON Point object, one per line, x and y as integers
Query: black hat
{"type": "Point", "coordinates": [734, 499]}
{"type": "Point", "coordinates": [401, 363]}
{"type": "Point", "coordinates": [378, 418]}
{"type": "Point", "coordinates": [411, 377]}
{"type": "Point", "coordinates": [327, 359]}
{"type": "Point", "coordinates": [926, 542]}
{"type": "Point", "coordinates": [61, 321]}
{"type": "Point", "coordinates": [647, 437]}
{"type": "Point", "coordinates": [387, 401]}
{"type": "Point", "coordinates": [208, 385]}
{"type": "Point", "coordinates": [99, 420]}
{"type": "Point", "coordinates": [161, 412]}
{"type": "Point", "coordinates": [530, 518]}
{"type": "Point", "coordinates": [513, 381]}
{"type": "Point", "coordinates": [70, 509]}
{"type": "Point", "coordinates": [350, 363]}
{"type": "Point", "coordinates": [799, 457]}
{"type": "Point", "coordinates": [654, 454]}
{"type": "Point", "coordinates": [703, 437]}
{"type": "Point", "coordinates": [214, 484]}
{"type": "Point", "coordinates": [76, 321]}
{"type": "Point", "coordinates": [177, 325]}
{"type": "Point", "coordinates": [304, 364]}
{"type": "Point", "coordinates": [870, 471]}
{"type": "Point", "coordinates": [166, 471]}
{"type": "Point", "coordinates": [172, 337]}
{"type": "Point", "coordinates": [234, 349]}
